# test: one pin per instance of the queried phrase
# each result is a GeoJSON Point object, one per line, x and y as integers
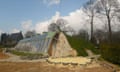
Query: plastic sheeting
{"type": "Point", "coordinates": [36, 44]}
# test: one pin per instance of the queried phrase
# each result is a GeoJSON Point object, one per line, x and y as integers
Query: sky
{"type": "Point", "coordinates": [23, 15]}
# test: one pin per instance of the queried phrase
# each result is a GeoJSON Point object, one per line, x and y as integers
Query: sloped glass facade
{"type": "Point", "coordinates": [36, 44]}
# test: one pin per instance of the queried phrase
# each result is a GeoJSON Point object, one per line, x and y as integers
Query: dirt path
{"type": "Point", "coordinates": [3, 56]}
{"type": "Point", "coordinates": [90, 53]}
{"type": "Point", "coordinates": [44, 67]}
{"type": "Point", "coordinates": [15, 64]}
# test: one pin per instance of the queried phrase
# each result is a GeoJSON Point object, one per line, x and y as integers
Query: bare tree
{"type": "Point", "coordinates": [29, 34]}
{"type": "Point", "coordinates": [109, 7]}
{"type": "Point", "coordinates": [90, 8]}
{"type": "Point", "coordinates": [61, 23]}
{"type": "Point", "coordinates": [61, 26]}
{"type": "Point", "coordinates": [53, 27]}
{"type": "Point", "coordinates": [83, 34]}
{"type": "Point", "coordinates": [69, 30]}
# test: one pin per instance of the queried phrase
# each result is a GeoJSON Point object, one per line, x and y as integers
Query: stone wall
{"type": "Point", "coordinates": [62, 48]}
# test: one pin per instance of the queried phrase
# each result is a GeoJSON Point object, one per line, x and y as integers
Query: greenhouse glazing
{"type": "Point", "coordinates": [36, 44]}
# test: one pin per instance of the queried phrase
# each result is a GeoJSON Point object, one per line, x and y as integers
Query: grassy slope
{"type": "Point", "coordinates": [111, 52]}
{"type": "Point", "coordinates": [80, 45]}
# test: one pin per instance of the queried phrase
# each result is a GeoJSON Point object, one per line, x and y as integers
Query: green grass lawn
{"type": "Point", "coordinates": [24, 53]}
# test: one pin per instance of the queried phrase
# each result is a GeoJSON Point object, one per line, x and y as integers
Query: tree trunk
{"type": "Point", "coordinates": [109, 28]}
{"type": "Point", "coordinates": [92, 28]}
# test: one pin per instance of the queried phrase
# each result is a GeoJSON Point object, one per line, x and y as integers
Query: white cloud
{"type": "Point", "coordinates": [27, 25]}
{"type": "Point", "coordinates": [43, 26]}
{"type": "Point", "coordinates": [51, 2]}
{"type": "Point", "coordinates": [119, 1]}
{"type": "Point", "coordinates": [15, 30]}
{"type": "Point", "coordinates": [75, 19]}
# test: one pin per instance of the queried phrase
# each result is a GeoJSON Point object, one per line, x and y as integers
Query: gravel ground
{"type": "Point", "coordinates": [75, 60]}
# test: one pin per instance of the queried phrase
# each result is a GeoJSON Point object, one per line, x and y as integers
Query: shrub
{"type": "Point", "coordinates": [111, 52]}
